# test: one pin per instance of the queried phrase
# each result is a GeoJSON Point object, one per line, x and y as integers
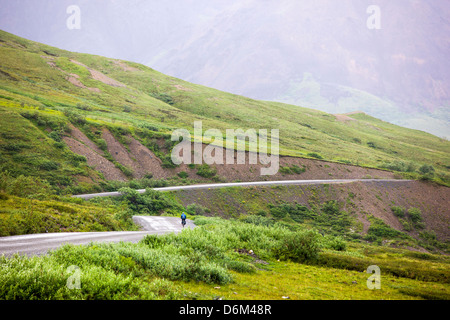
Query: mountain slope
{"type": "Point", "coordinates": [316, 54]}
{"type": "Point", "coordinates": [43, 89]}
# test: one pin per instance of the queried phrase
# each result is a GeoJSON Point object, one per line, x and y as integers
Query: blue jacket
{"type": "Point", "coordinates": [183, 216]}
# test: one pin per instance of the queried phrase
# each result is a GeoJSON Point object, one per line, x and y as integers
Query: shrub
{"type": "Point", "coordinates": [415, 215]}
{"type": "Point", "coordinates": [426, 169]}
{"type": "Point", "coordinates": [48, 165]}
{"type": "Point", "coordinates": [25, 187]}
{"type": "Point", "coordinates": [298, 246]}
{"type": "Point", "coordinates": [197, 209]}
{"type": "Point", "coordinates": [149, 202]}
{"type": "Point", "coordinates": [59, 145]}
{"type": "Point", "coordinates": [167, 161]}
{"type": "Point", "coordinates": [331, 207]}
{"type": "Point", "coordinates": [429, 236]}
{"type": "Point", "coordinates": [285, 170]}
{"type": "Point", "coordinates": [372, 144]}
{"type": "Point", "coordinates": [183, 174]}
{"type": "Point", "coordinates": [399, 166]}
{"type": "Point", "coordinates": [334, 243]}
{"type": "Point", "coordinates": [258, 220]}
{"type": "Point", "coordinates": [206, 171]}
{"type": "Point", "coordinates": [292, 170]}
{"type": "Point", "coordinates": [296, 169]}
{"type": "Point", "coordinates": [126, 171]}
{"type": "Point", "coordinates": [55, 136]}
{"type": "Point", "coordinates": [75, 117]}
{"type": "Point", "coordinates": [406, 225]}
{"type": "Point", "coordinates": [315, 155]}
{"type": "Point", "coordinates": [163, 97]}
{"type": "Point", "coordinates": [398, 211]}
{"type": "Point", "coordinates": [240, 266]}
{"type": "Point", "coordinates": [380, 230]}
{"type": "Point", "coordinates": [101, 143]}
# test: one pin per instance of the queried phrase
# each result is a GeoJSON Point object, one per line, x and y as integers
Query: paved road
{"type": "Point", "coordinates": [38, 244]}
{"type": "Point", "coordinates": [242, 184]}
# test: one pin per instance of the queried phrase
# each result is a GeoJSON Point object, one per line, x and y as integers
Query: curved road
{"type": "Point", "coordinates": [37, 244]}
{"type": "Point", "coordinates": [241, 184]}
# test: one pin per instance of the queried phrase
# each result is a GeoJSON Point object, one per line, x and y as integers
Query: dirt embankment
{"type": "Point", "coordinates": [141, 162]}
{"type": "Point", "coordinates": [136, 157]}
{"type": "Point", "coordinates": [80, 144]}
{"type": "Point", "coordinates": [360, 199]}
{"type": "Point", "coordinates": [312, 169]}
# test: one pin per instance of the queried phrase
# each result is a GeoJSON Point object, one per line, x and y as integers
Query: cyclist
{"type": "Point", "coordinates": [183, 219]}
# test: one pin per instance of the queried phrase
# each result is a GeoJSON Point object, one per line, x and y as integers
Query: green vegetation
{"type": "Point", "coordinates": [411, 218]}
{"type": "Point", "coordinates": [190, 264]}
{"type": "Point", "coordinates": [206, 171]}
{"type": "Point", "coordinates": [26, 216]}
{"type": "Point", "coordinates": [294, 169]}
{"type": "Point", "coordinates": [148, 203]}
{"type": "Point", "coordinates": [315, 155]}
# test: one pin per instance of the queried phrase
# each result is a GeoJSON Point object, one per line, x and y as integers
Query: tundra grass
{"type": "Point", "coordinates": [293, 281]}
{"type": "Point", "coordinates": [214, 261]}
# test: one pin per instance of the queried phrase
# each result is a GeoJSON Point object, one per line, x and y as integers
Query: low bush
{"type": "Point", "coordinates": [197, 209]}
{"type": "Point", "coordinates": [292, 170]}
{"type": "Point", "coordinates": [75, 117]}
{"type": "Point", "coordinates": [101, 143]}
{"type": "Point", "coordinates": [315, 155]}
{"type": "Point", "coordinates": [399, 166]}
{"type": "Point", "coordinates": [426, 169]}
{"type": "Point", "coordinates": [415, 215]}
{"type": "Point", "coordinates": [25, 187]}
{"type": "Point", "coordinates": [206, 171]}
{"type": "Point", "coordinates": [406, 225]}
{"type": "Point", "coordinates": [326, 218]}
{"type": "Point", "coordinates": [183, 174]}
{"type": "Point", "coordinates": [167, 161]}
{"type": "Point", "coordinates": [334, 243]}
{"type": "Point", "coordinates": [379, 230]}
{"type": "Point", "coordinates": [298, 246]}
{"type": "Point", "coordinates": [48, 165]}
{"type": "Point", "coordinates": [372, 144]}
{"type": "Point", "coordinates": [398, 211]}
{"type": "Point", "coordinates": [149, 202]}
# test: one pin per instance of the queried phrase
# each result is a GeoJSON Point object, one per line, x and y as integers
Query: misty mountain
{"type": "Point", "coordinates": [318, 54]}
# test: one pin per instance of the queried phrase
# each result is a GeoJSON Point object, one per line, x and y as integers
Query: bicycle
{"type": "Point", "coordinates": [183, 219]}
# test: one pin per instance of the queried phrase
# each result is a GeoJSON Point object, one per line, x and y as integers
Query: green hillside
{"type": "Point", "coordinates": [43, 88]}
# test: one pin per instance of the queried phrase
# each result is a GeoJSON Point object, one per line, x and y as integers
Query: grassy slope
{"type": "Point", "coordinates": [27, 216]}
{"type": "Point", "coordinates": [202, 264]}
{"type": "Point", "coordinates": [159, 102]}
